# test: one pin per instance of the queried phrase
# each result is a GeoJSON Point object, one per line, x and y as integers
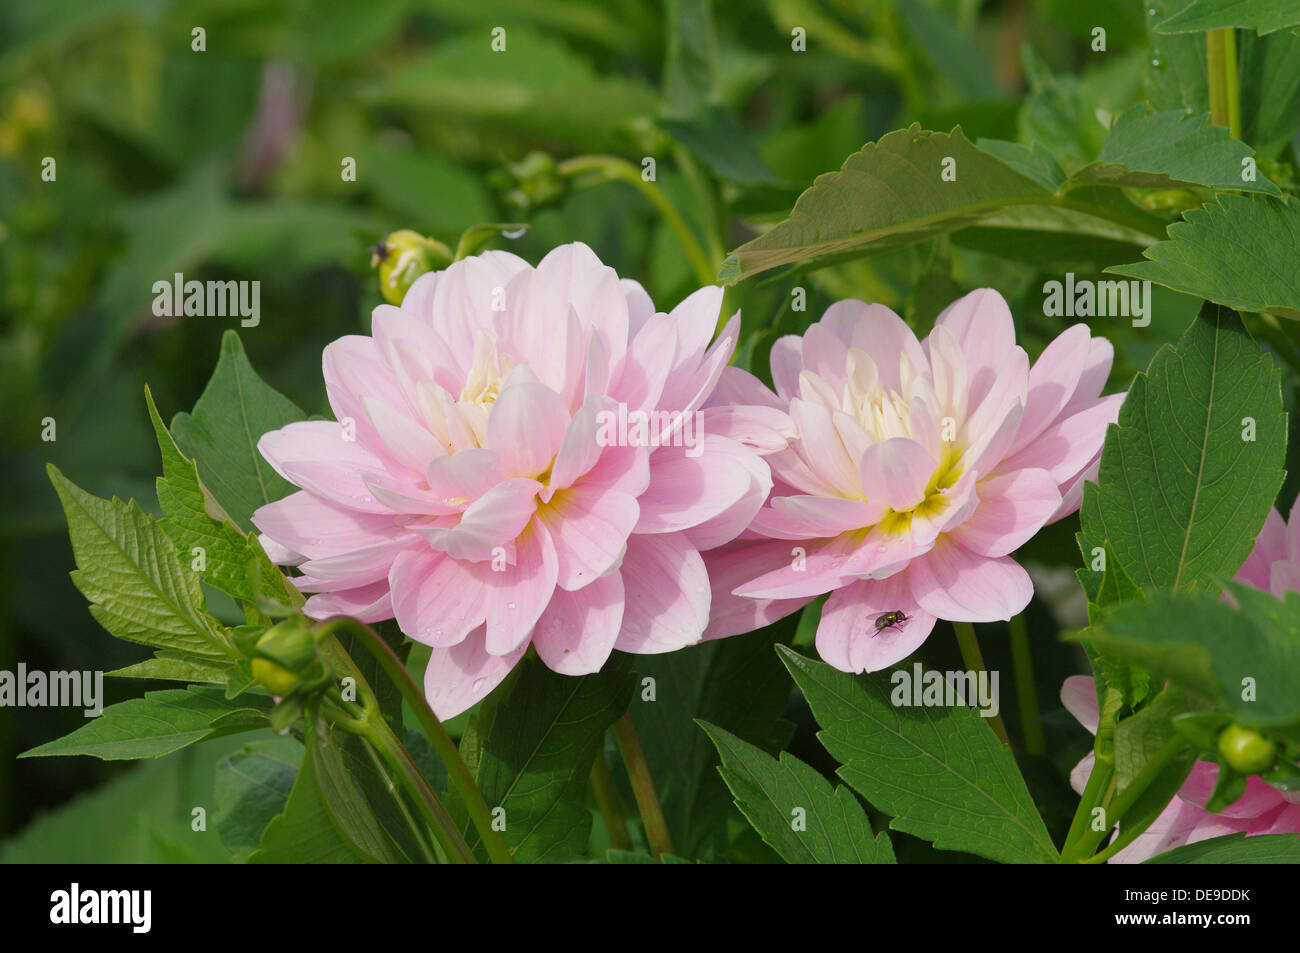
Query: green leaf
{"type": "Point", "coordinates": [158, 724]}
{"type": "Point", "coordinates": [719, 139]}
{"type": "Point", "coordinates": [1162, 150]}
{"type": "Point", "coordinates": [1270, 91]}
{"type": "Point", "coordinates": [178, 667]}
{"type": "Point", "coordinates": [1181, 495]}
{"type": "Point", "coordinates": [886, 195]}
{"type": "Point", "coordinates": [194, 519]}
{"type": "Point", "coordinates": [325, 820]}
{"type": "Point", "coordinates": [736, 684]}
{"type": "Point", "coordinates": [949, 51]}
{"type": "Point", "coordinates": [1210, 649]}
{"type": "Point", "coordinates": [476, 237]}
{"type": "Point", "coordinates": [252, 786]}
{"type": "Point", "coordinates": [616, 856]}
{"type": "Point", "coordinates": [1176, 68]}
{"type": "Point", "coordinates": [531, 745]}
{"type": "Point", "coordinates": [769, 792]}
{"type": "Point", "coordinates": [132, 575]}
{"type": "Point", "coordinates": [941, 772]}
{"type": "Point", "coordinates": [1140, 736]}
{"type": "Point", "coordinates": [1239, 253]}
{"type": "Point", "coordinates": [1262, 16]}
{"type": "Point", "coordinates": [690, 66]}
{"type": "Point", "coordinates": [1235, 849]}
{"type": "Point", "coordinates": [221, 435]}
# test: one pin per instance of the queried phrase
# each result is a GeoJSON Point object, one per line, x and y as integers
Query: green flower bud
{"type": "Point", "coordinates": [403, 256]}
{"type": "Point", "coordinates": [1247, 751]}
{"type": "Point", "coordinates": [275, 678]}
{"type": "Point", "coordinates": [290, 645]}
{"type": "Point", "coordinates": [529, 183]}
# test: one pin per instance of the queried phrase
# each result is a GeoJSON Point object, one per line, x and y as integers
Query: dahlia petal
{"type": "Point", "coordinates": [371, 603]}
{"type": "Point", "coordinates": [981, 324]}
{"type": "Point", "coordinates": [1079, 696]}
{"type": "Point", "coordinates": [577, 632]}
{"type": "Point", "coordinates": [950, 582]}
{"type": "Point", "coordinates": [666, 595]}
{"type": "Point", "coordinates": [459, 677]}
{"type": "Point", "coordinates": [496, 517]}
{"type": "Point", "coordinates": [516, 595]}
{"type": "Point", "coordinates": [436, 599]}
{"type": "Point", "coordinates": [730, 566]}
{"type": "Point", "coordinates": [896, 472]}
{"type": "Point", "coordinates": [589, 526]}
{"type": "Point", "coordinates": [847, 637]}
{"type": "Point", "coordinates": [526, 427]}
{"type": "Point", "coordinates": [1012, 508]}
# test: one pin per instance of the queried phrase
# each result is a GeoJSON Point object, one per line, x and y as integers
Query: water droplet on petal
{"type": "Point", "coordinates": [510, 605]}
{"type": "Point", "coordinates": [478, 685]}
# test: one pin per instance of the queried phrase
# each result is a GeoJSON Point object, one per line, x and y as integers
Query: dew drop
{"type": "Point", "coordinates": [1155, 61]}
{"type": "Point", "coordinates": [478, 685]}
{"type": "Point", "coordinates": [510, 605]}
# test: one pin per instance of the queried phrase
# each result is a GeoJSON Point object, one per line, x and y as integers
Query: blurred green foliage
{"type": "Point", "coordinates": [227, 163]}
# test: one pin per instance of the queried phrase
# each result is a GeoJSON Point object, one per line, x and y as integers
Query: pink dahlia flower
{"type": "Point", "coordinates": [521, 457]}
{"type": "Point", "coordinates": [918, 468]}
{"type": "Point", "coordinates": [1273, 566]}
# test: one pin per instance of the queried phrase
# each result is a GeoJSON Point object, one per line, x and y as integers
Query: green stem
{"type": "Point", "coordinates": [1221, 73]}
{"type": "Point", "coordinates": [970, 653]}
{"type": "Point", "coordinates": [376, 731]}
{"type": "Point", "coordinates": [461, 779]}
{"type": "Point", "coordinates": [1098, 784]}
{"type": "Point", "coordinates": [602, 785]}
{"type": "Point", "coordinates": [1087, 844]}
{"type": "Point", "coordinates": [1022, 663]}
{"type": "Point", "coordinates": [615, 169]}
{"type": "Point", "coordinates": [647, 799]}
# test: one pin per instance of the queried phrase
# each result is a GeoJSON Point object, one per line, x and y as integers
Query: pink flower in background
{"type": "Point", "coordinates": [918, 468]}
{"type": "Point", "coordinates": [1273, 566]}
{"type": "Point", "coordinates": [477, 487]}
{"type": "Point", "coordinates": [1263, 809]}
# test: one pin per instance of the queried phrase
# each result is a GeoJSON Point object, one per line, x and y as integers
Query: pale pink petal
{"type": "Point", "coordinates": [577, 632]}
{"type": "Point", "coordinates": [459, 677]}
{"type": "Point", "coordinates": [436, 599]}
{"type": "Point", "coordinates": [371, 603]}
{"type": "Point", "coordinates": [316, 528]}
{"type": "Point", "coordinates": [953, 583]}
{"type": "Point", "coordinates": [734, 564]}
{"type": "Point", "coordinates": [1012, 508]}
{"type": "Point", "coordinates": [808, 517]}
{"type": "Point", "coordinates": [1079, 696]}
{"type": "Point", "coordinates": [982, 325]}
{"type": "Point", "coordinates": [464, 476]}
{"type": "Point", "coordinates": [495, 518]}
{"type": "Point", "coordinates": [847, 637]}
{"type": "Point", "coordinates": [896, 473]}
{"type": "Point", "coordinates": [1052, 382]}
{"type": "Point", "coordinates": [666, 595]}
{"type": "Point", "coordinates": [526, 427]}
{"type": "Point", "coordinates": [1067, 446]}
{"type": "Point", "coordinates": [589, 526]}
{"type": "Point", "coordinates": [518, 593]}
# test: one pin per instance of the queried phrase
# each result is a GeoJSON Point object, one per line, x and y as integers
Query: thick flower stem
{"type": "Point", "coordinates": [436, 734]}
{"type": "Point", "coordinates": [1022, 663]}
{"type": "Point", "coordinates": [602, 785]}
{"type": "Point", "coordinates": [1093, 792]}
{"type": "Point", "coordinates": [970, 653]}
{"type": "Point", "coordinates": [366, 722]}
{"type": "Point", "coordinates": [1221, 72]}
{"type": "Point", "coordinates": [1082, 850]}
{"type": "Point", "coordinates": [620, 170]}
{"type": "Point", "coordinates": [647, 800]}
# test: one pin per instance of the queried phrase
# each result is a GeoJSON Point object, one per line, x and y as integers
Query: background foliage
{"type": "Point", "coordinates": [225, 164]}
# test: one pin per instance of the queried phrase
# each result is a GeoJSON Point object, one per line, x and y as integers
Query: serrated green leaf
{"type": "Point", "coordinates": [941, 772]}
{"type": "Point", "coordinates": [178, 667]}
{"type": "Point", "coordinates": [221, 435]}
{"type": "Point", "coordinates": [1162, 150]}
{"type": "Point", "coordinates": [1235, 849]}
{"type": "Point", "coordinates": [1209, 649]}
{"type": "Point", "coordinates": [194, 519]}
{"type": "Point", "coordinates": [832, 829]}
{"type": "Point", "coordinates": [1176, 68]}
{"type": "Point", "coordinates": [158, 724]}
{"type": "Point", "coordinates": [1262, 16]}
{"type": "Point", "coordinates": [887, 195]}
{"type": "Point", "coordinates": [1238, 252]}
{"type": "Point", "coordinates": [1180, 495]}
{"type": "Point", "coordinates": [130, 572]}
{"type": "Point", "coordinates": [531, 745]}
{"type": "Point", "coordinates": [1140, 736]}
